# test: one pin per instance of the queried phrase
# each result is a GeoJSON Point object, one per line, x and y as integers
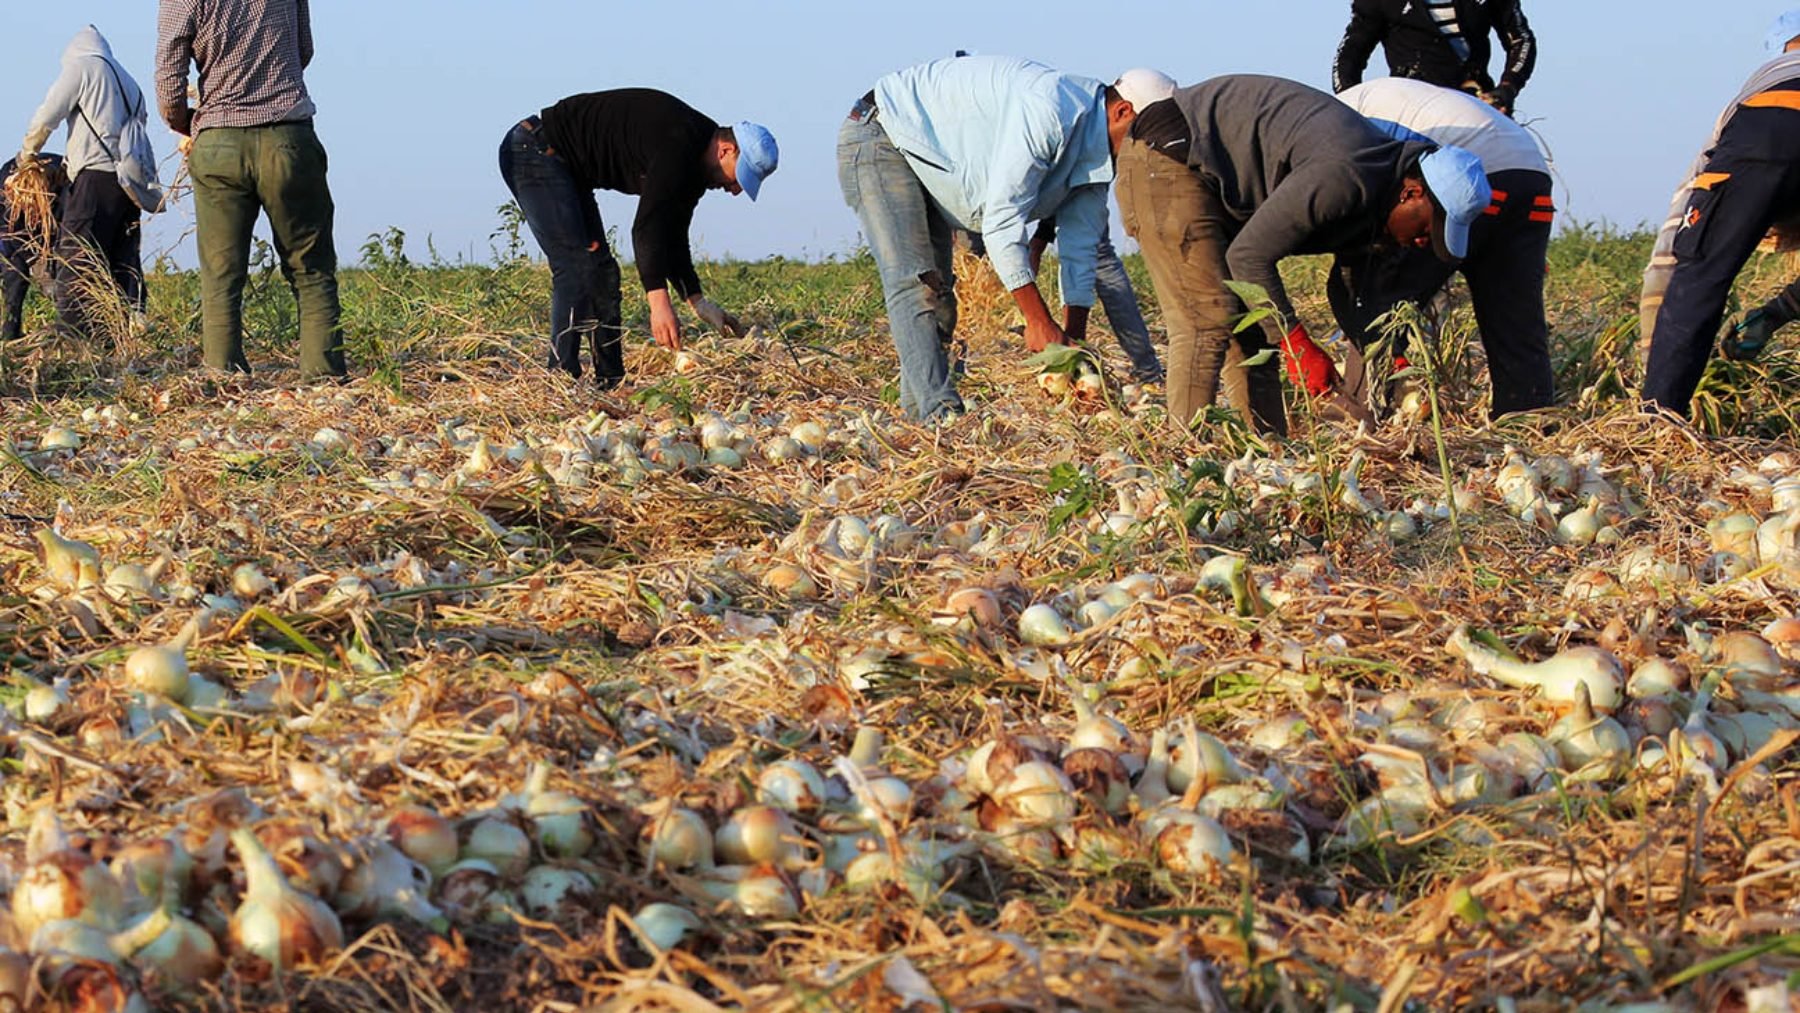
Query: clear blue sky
{"type": "Point", "coordinates": [414, 95]}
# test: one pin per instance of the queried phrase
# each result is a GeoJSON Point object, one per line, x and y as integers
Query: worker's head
{"type": "Point", "coordinates": [740, 158]}
{"type": "Point", "coordinates": [1439, 199]}
{"type": "Point", "coordinates": [1784, 34]}
{"type": "Point", "coordinates": [1126, 97]}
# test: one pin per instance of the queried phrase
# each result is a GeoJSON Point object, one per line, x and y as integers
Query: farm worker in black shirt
{"type": "Point", "coordinates": [1229, 176]}
{"type": "Point", "coordinates": [636, 141]}
{"type": "Point", "coordinates": [1745, 183]}
{"type": "Point", "coordinates": [1444, 42]}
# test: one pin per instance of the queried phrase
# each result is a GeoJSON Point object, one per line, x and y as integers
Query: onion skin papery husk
{"type": "Point", "coordinates": [281, 926]}
{"type": "Point", "coordinates": [66, 884]}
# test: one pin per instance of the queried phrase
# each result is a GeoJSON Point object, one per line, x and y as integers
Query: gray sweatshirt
{"type": "Point", "coordinates": [1303, 172]}
{"type": "Point", "coordinates": [87, 87]}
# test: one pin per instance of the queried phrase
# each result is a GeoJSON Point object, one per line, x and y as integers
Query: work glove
{"type": "Point", "coordinates": [1307, 364]}
{"type": "Point", "coordinates": [1502, 98]}
{"type": "Point", "coordinates": [1746, 341]}
{"type": "Point", "coordinates": [717, 318]}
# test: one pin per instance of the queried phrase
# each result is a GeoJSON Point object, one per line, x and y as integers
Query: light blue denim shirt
{"type": "Point", "coordinates": [1001, 142]}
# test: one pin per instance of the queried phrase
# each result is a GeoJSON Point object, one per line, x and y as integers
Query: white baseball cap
{"type": "Point", "coordinates": [1141, 86]}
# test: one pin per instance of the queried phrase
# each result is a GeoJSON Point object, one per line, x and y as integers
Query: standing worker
{"type": "Point", "coordinates": [637, 141]}
{"type": "Point", "coordinates": [251, 149]}
{"type": "Point", "coordinates": [1444, 42]}
{"type": "Point", "coordinates": [984, 143]}
{"type": "Point", "coordinates": [100, 239]}
{"type": "Point", "coordinates": [1230, 176]}
{"type": "Point", "coordinates": [1745, 182]}
{"type": "Point", "coordinates": [1508, 243]}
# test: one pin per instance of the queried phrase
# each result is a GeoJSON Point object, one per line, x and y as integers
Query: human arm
{"type": "Point", "coordinates": [1318, 200]}
{"type": "Point", "coordinates": [1361, 36]}
{"type": "Point", "coordinates": [174, 53]}
{"type": "Point", "coordinates": [1520, 44]}
{"type": "Point", "coordinates": [1748, 338]}
{"type": "Point", "coordinates": [1081, 222]}
{"type": "Point", "coordinates": [58, 105]}
{"type": "Point", "coordinates": [1031, 139]}
{"type": "Point", "coordinates": [1040, 241]}
{"type": "Point", "coordinates": [303, 14]}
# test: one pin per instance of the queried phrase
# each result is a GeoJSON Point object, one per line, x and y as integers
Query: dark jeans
{"type": "Point", "coordinates": [1725, 224]}
{"type": "Point", "coordinates": [97, 252]}
{"type": "Point", "coordinates": [279, 169]}
{"type": "Point", "coordinates": [1183, 230]}
{"type": "Point", "coordinates": [584, 274]}
{"type": "Point", "coordinates": [1505, 272]}
{"type": "Point", "coordinates": [17, 254]}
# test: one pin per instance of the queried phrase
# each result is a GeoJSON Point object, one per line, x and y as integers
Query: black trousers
{"type": "Point", "coordinates": [1505, 271]}
{"type": "Point", "coordinates": [17, 255]}
{"type": "Point", "coordinates": [101, 240]}
{"type": "Point", "coordinates": [1723, 225]}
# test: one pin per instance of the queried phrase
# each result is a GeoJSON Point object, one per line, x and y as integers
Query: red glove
{"type": "Point", "coordinates": [1307, 364]}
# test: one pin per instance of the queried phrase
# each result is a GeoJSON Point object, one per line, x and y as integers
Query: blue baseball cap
{"type": "Point", "coordinates": [1459, 187]}
{"type": "Point", "coordinates": [757, 155]}
{"type": "Point", "coordinates": [1785, 29]}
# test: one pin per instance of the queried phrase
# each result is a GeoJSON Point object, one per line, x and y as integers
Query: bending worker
{"type": "Point", "coordinates": [987, 143]}
{"type": "Point", "coordinates": [1228, 177]}
{"type": "Point", "coordinates": [1745, 182]}
{"type": "Point", "coordinates": [1443, 42]}
{"type": "Point", "coordinates": [1508, 243]}
{"type": "Point", "coordinates": [637, 141]}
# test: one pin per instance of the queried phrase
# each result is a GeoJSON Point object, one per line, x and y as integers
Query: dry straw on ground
{"type": "Point", "coordinates": [626, 635]}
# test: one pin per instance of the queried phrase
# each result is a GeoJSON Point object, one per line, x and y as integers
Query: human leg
{"type": "Point", "coordinates": [291, 181]}
{"type": "Point", "coordinates": [1722, 228]}
{"type": "Point", "coordinates": [1183, 230]}
{"type": "Point", "coordinates": [1113, 286]}
{"type": "Point", "coordinates": [1505, 271]}
{"type": "Point", "coordinates": [896, 217]}
{"type": "Point", "coordinates": [565, 220]}
{"type": "Point", "coordinates": [225, 210]}
{"type": "Point", "coordinates": [15, 280]}
{"type": "Point", "coordinates": [80, 259]}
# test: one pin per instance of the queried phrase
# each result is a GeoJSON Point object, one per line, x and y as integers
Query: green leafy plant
{"type": "Point", "coordinates": [1077, 491]}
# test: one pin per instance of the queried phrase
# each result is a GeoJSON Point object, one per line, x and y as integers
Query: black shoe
{"type": "Point", "coordinates": [606, 383]}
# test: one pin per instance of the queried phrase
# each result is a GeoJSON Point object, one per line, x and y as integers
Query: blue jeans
{"type": "Point", "coordinates": [584, 275]}
{"type": "Point", "coordinates": [1113, 287]}
{"type": "Point", "coordinates": [909, 238]}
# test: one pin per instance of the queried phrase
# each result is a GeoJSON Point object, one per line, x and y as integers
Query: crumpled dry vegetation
{"type": "Point", "coordinates": [467, 577]}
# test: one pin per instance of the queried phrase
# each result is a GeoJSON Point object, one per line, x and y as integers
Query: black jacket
{"type": "Point", "coordinates": [1441, 41]}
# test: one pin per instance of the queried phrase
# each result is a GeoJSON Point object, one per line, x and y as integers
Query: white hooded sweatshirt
{"type": "Point", "coordinates": [92, 89]}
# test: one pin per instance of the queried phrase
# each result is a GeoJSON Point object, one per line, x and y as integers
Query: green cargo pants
{"type": "Point", "coordinates": [279, 169]}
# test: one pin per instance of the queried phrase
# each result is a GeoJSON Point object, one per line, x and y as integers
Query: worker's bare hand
{"type": "Point", "coordinates": [1041, 335]}
{"type": "Point", "coordinates": [665, 328]}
